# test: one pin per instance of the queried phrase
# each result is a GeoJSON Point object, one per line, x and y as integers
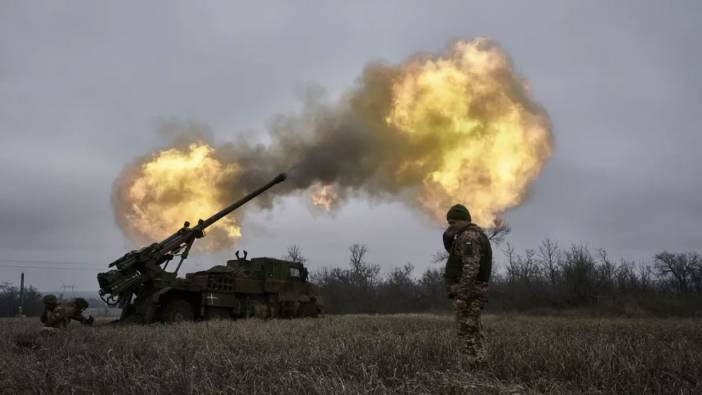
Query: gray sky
{"type": "Point", "coordinates": [85, 85]}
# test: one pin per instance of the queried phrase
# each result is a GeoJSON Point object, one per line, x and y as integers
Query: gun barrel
{"type": "Point", "coordinates": [217, 216]}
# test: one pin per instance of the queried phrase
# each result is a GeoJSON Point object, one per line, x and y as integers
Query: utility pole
{"type": "Point", "coordinates": [64, 287]}
{"type": "Point", "coordinates": [20, 313]}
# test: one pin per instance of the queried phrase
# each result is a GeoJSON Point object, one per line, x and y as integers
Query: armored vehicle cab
{"type": "Point", "coordinates": [260, 287]}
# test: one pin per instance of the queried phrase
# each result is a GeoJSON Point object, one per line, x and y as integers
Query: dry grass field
{"type": "Point", "coordinates": [355, 354]}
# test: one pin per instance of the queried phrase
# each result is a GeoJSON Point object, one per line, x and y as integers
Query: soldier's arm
{"type": "Point", "coordinates": [470, 255]}
{"type": "Point", "coordinates": [83, 319]}
{"type": "Point", "coordinates": [77, 315]}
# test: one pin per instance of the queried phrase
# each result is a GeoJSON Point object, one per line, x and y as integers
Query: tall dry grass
{"type": "Point", "coordinates": [355, 354]}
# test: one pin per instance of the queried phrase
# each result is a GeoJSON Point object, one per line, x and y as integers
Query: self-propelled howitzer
{"type": "Point", "coordinates": [139, 278]}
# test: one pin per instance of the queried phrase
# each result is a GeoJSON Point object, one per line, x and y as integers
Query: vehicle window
{"type": "Point", "coordinates": [294, 272]}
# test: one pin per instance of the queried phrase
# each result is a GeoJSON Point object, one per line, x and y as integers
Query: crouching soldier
{"type": "Point", "coordinates": [50, 303]}
{"type": "Point", "coordinates": [59, 315]}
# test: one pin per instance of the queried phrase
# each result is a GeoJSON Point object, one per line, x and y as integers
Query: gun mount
{"type": "Point", "coordinates": [146, 291]}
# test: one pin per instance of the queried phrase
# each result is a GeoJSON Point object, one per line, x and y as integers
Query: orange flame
{"type": "Point", "coordinates": [176, 185]}
{"type": "Point", "coordinates": [324, 196]}
{"type": "Point", "coordinates": [491, 146]}
{"type": "Point", "coordinates": [457, 128]}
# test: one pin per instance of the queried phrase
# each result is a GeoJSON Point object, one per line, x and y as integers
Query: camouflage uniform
{"type": "Point", "coordinates": [60, 315]}
{"type": "Point", "coordinates": [50, 303]}
{"type": "Point", "coordinates": [467, 274]}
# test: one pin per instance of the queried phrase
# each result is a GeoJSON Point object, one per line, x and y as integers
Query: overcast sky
{"type": "Point", "coordinates": [84, 86]}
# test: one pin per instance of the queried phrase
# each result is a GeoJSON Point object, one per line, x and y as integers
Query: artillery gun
{"type": "Point", "coordinates": [146, 291]}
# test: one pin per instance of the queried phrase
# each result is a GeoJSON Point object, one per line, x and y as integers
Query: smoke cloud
{"type": "Point", "coordinates": [460, 127]}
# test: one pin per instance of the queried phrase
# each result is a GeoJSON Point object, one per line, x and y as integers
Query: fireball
{"type": "Point", "coordinates": [177, 185]}
{"type": "Point", "coordinates": [491, 140]}
{"type": "Point", "coordinates": [459, 127]}
{"type": "Point", "coordinates": [324, 196]}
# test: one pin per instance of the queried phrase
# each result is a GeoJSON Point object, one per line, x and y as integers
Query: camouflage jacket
{"type": "Point", "coordinates": [470, 257]}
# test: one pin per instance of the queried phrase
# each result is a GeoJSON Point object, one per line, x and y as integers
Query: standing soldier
{"type": "Point", "coordinates": [467, 273]}
{"type": "Point", "coordinates": [58, 315]}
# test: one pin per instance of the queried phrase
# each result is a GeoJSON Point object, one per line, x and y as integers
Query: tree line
{"type": "Point", "coordinates": [546, 278]}
{"type": "Point", "coordinates": [10, 301]}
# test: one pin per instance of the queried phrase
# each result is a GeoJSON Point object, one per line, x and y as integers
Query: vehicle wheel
{"type": "Point", "coordinates": [287, 309]}
{"type": "Point", "coordinates": [151, 314]}
{"type": "Point", "coordinates": [308, 309]}
{"type": "Point", "coordinates": [177, 310]}
{"type": "Point", "coordinates": [262, 310]}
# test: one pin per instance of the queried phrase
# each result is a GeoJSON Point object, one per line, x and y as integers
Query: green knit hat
{"type": "Point", "coordinates": [49, 299]}
{"type": "Point", "coordinates": [458, 212]}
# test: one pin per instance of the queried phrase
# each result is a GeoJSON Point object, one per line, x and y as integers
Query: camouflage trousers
{"type": "Point", "coordinates": [469, 305]}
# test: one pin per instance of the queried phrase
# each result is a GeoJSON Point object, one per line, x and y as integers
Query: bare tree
{"type": "Point", "coordinates": [625, 276]}
{"type": "Point", "coordinates": [357, 255]}
{"type": "Point", "coordinates": [578, 270]}
{"type": "Point", "coordinates": [550, 254]}
{"type": "Point", "coordinates": [363, 273]}
{"type": "Point", "coordinates": [645, 276]}
{"type": "Point", "coordinates": [680, 266]}
{"type": "Point", "coordinates": [606, 271]}
{"type": "Point", "coordinates": [364, 279]}
{"type": "Point", "coordinates": [529, 268]}
{"type": "Point", "coordinates": [499, 230]}
{"type": "Point", "coordinates": [512, 270]}
{"type": "Point", "coordinates": [295, 254]}
{"type": "Point", "coordinates": [695, 261]}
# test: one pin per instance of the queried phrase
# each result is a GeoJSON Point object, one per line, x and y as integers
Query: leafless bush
{"type": "Point", "coordinates": [295, 254]}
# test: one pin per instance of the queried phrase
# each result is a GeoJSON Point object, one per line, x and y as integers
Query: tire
{"type": "Point", "coordinates": [287, 309]}
{"type": "Point", "coordinates": [308, 309]}
{"type": "Point", "coordinates": [177, 310]}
